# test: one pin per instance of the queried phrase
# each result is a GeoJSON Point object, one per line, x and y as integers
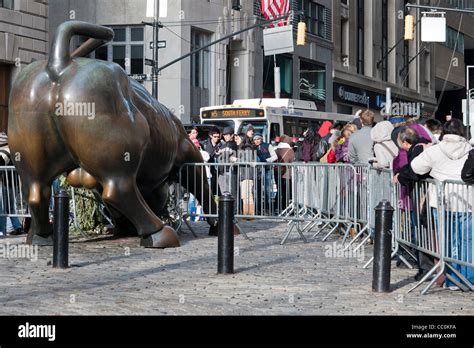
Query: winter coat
{"type": "Point", "coordinates": [402, 159]}
{"type": "Point", "coordinates": [212, 149]}
{"type": "Point", "coordinates": [385, 149]}
{"type": "Point", "coordinates": [331, 156]}
{"type": "Point", "coordinates": [407, 175]}
{"type": "Point", "coordinates": [361, 146]}
{"type": "Point", "coordinates": [285, 155]}
{"type": "Point", "coordinates": [444, 161]}
{"type": "Point", "coordinates": [312, 152]}
{"type": "Point", "coordinates": [467, 174]}
{"type": "Point", "coordinates": [342, 151]}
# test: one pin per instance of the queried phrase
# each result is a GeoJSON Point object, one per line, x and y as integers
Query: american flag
{"type": "Point", "coordinates": [275, 8]}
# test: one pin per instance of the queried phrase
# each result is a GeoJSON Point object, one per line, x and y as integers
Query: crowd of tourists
{"type": "Point", "coordinates": [414, 150]}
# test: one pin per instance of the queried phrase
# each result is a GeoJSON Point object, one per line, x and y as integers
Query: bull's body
{"type": "Point", "coordinates": [127, 149]}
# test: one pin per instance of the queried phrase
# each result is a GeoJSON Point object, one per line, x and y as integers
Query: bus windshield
{"type": "Point", "coordinates": [221, 123]}
{"type": "Point", "coordinates": [260, 127]}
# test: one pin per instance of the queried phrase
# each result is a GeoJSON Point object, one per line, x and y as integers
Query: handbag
{"type": "Point", "coordinates": [320, 151]}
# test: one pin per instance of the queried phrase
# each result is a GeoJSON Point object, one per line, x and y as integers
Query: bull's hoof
{"type": "Point", "coordinates": [42, 241]}
{"type": "Point", "coordinates": [236, 231]}
{"type": "Point", "coordinates": [166, 238]}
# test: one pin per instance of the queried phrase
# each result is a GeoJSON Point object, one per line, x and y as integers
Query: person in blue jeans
{"type": "Point", "coordinates": [458, 243]}
{"type": "Point", "coordinates": [445, 161]}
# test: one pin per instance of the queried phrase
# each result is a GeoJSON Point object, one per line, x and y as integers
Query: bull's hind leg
{"type": "Point", "coordinates": [39, 195]}
{"type": "Point", "coordinates": [123, 195]}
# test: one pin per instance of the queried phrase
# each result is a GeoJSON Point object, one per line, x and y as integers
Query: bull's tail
{"type": "Point", "coordinates": [60, 56]}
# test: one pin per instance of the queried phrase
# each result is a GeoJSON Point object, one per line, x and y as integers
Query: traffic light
{"type": "Point", "coordinates": [409, 27]}
{"type": "Point", "coordinates": [301, 38]}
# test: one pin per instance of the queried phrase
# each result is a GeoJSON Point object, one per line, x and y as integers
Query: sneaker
{"type": "Point", "coordinates": [17, 232]}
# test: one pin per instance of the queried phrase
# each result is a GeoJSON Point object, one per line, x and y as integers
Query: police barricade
{"type": "Point", "coordinates": [380, 188]}
{"type": "Point", "coordinates": [12, 203]}
{"type": "Point", "coordinates": [455, 226]}
{"type": "Point", "coordinates": [434, 222]}
{"type": "Point", "coordinates": [304, 195]}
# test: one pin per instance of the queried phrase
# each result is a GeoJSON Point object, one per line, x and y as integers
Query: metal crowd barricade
{"type": "Point", "coordinates": [304, 195]}
{"type": "Point", "coordinates": [12, 203]}
{"type": "Point", "coordinates": [434, 219]}
{"type": "Point", "coordinates": [380, 188]}
{"type": "Point", "coordinates": [455, 221]}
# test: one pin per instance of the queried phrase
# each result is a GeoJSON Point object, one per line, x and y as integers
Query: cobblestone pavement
{"type": "Point", "coordinates": [117, 277]}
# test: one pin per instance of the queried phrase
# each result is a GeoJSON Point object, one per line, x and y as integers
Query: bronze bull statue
{"type": "Point", "coordinates": [127, 150]}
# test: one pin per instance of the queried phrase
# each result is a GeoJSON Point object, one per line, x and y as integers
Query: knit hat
{"type": "Point", "coordinates": [228, 130]}
{"type": "Point", "coordinates": [249, 127]}
{"type": "Point", "coordinates": [257, 136]}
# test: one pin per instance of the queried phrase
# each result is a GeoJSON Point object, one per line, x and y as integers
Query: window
{"type": "Point", "coordinates": [312, 81]}
{"type": "Point", "coordinates": [360, 36]}
{"type": "Point", "coordinates": [453, 41]}
{"type": "Point", "coordinates": [127, 49]}
{"type": "Point", "coordinates": [286, 76]}
{"type": "Point", "coordinates": [6, 4]}
{"type": "Point", "coordinates": [200, 62]}
{"type": "Point", "coordinates": [315, 18]}
{"type": "Point", "coordinates": [384, 48]}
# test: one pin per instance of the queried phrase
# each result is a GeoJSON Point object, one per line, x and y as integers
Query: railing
{"type": "Point", "coordinates": [432, 219]}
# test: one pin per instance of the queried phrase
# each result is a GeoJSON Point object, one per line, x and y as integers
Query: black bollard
{"type": "Point", "coordinates": [382, 247]}
{"type": "Point", "coordinates": [225, 239]}
{"type": "Point", "coordinates": [61, 230]}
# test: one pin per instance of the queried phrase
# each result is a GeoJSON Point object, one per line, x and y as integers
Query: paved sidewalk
{"type": "Point", "coordinates": [117, 277]}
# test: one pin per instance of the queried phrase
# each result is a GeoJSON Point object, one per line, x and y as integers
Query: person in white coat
{"type": "Point", "coordinates": [385, 149]}
{"type": "Point", "coordinates": [445, 161]}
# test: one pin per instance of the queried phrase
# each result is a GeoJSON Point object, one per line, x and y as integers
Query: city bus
{"type": "Point", "coordinates": [270, 117]}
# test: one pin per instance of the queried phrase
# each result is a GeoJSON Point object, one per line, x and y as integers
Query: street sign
{"type": "Point", "coordinates": [149, 62]}
{"type": "Point", "coordinates": [278, 40]}
{"type": "Point", "coordinates": [433, 27]}
{"type": "Point", "coordinates": [161, 44]}
{"type": "Point", "coordinates": [140, 77]}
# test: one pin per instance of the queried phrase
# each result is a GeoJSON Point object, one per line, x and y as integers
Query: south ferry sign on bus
{"type": "Point", "coordinates": [233, 113]}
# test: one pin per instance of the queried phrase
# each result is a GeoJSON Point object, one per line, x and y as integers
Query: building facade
{"type": "Point", "coordinates": [453, 56]}
{"type": "Point", "coordinates": [233, 69]}
{"type": "Point", "coordinates": [371, 55]}
{"type": "Point", "coordinates": [23, 39]}
{"type": "Point", "coordinates": [354, 51]}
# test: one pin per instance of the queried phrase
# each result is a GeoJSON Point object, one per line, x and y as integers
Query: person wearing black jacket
{"type": "Point", "coordinates": [467, 173]}
{"type": "Point", "coordinates": [409, 141]}
{"type": "Point", "coordinates": [226, 154]}
{"type": "Point", "coordinates": [212, 146]}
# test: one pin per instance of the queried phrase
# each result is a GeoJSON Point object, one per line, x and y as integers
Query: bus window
{"type": "Point", "coordinates": [259, 127]}
{"type": "Point", "coordinates": [274, 131]}
{"type": "Point", "coordinates": [289, 126]}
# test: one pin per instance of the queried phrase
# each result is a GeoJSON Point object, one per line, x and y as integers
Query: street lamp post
{"type": "Point", "coordinates": [155, 70]}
